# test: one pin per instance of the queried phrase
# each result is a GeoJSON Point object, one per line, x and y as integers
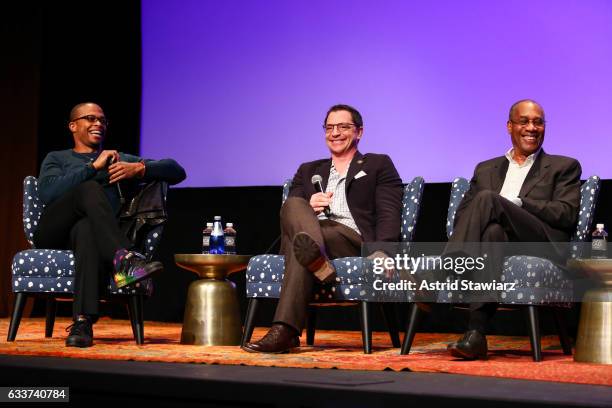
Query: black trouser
{"type": "Point", "coordinates": [491, 218]}
{"type": "Point", "coordinates": [83, 221]}
{"type": "Point", "coordinates": [298, 283]}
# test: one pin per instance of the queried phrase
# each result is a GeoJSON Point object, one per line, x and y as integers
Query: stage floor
{"type": "Point", "coordinates": [159, 371]}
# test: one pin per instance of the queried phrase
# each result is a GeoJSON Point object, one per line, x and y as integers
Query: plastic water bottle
{"type": "Point", "coordinates": [230, 238]}
{"type": "Point", "coordinates": [217, 244]}
{"type": "Point", "coordinates": [599, 243]}
{"type": "Point", "coordinates": [206, 238]}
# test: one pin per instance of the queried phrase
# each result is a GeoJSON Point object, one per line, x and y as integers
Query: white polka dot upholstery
{"type": "Point", "coordinates": [264, 275]}
{"type": "Point", "coordinates": [49, 270]}
{"type": "Point", "coordinates": [32, 207]}
{"type": "Point", "coordinates": [459, 187]}
{"type": "Point", "coordinates": [538, 280]}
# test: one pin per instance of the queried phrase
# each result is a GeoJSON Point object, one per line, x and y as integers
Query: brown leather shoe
{"type": "Point", "coordinates": [312, 257]}
{"type": "Point", "coordinates": [279, 339]}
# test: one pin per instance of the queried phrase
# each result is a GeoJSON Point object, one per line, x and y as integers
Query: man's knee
{"type": "Point", "coordinates": [292, 206]}
{"type": "Point", "coordinates": [494, 232]}
{"type": "Point", "coordinates": [88, 192]}
{"type": "Point", "coordinates": [88, 188]}
{"type": "Point", "coordinates": [486, 196]}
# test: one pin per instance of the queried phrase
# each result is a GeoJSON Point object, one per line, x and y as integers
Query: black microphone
{"type": "Point", "coordinates": [109, 161]}
{"type": "Point", "coordinates": [316, 182]}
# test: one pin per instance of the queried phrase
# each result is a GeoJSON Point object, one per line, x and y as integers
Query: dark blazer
{"type": "Point", "coordinates": [551, 190]}
{"type": "Point", "coordinates": [375, 200]}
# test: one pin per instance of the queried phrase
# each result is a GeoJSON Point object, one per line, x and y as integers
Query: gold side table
{"type": "Point", "coordinates": [212, 313]}
{"type": "Point", "coordinates": [594, 341]}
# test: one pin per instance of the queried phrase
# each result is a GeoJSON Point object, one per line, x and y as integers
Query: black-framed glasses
{"type": "Point", "coordinates": [523, 122]}
{"type": "Point", "coordinates": [342, 127]}
{"type": "Point", "coordinates": [92, 119]}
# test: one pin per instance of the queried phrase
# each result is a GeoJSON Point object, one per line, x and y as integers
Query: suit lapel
{"type": "Point", "coordinates": [498, 175]}
{"type": "Point", "coordinates": [354, 168]}
{"type": "Point", "coordinates": [323, 171]}
{"type": "Point", "coordinates": [537, 171]}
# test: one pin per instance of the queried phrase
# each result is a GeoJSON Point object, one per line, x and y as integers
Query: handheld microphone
{"type": "Point", "coordinates": [316, 182]}
{"type": "Point", "coordinates": [109, 161]}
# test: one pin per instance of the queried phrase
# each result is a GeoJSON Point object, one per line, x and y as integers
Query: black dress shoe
{"type": "Point", "coordinates": [472, 346]}
{"type": "Point", "coordinates": [310, 255]}
{"type": "Point", "coordinates": [81, 334]}
{"type": "Point", "coordinates": [279, 339]}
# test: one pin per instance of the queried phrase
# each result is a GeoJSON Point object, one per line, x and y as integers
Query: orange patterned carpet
{"type": "Point", "coordinates": [509, 356]}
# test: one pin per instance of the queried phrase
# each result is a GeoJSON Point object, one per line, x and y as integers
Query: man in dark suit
{"type": "Point", "coordinates": [524, 196]}
{"type": "Point", "coordinates": [361, 203]}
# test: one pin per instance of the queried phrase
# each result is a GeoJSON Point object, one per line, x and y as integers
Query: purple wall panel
{"type": "Point", "coordinates": [236, 90]}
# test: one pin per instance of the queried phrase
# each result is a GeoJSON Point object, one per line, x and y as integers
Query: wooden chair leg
{"type": "Point", "coordinates": [534, 332]}
{"type": "Point", "coordinates": [248, 321]}
{"type": "Point", "coordinates": [390, 315]}
{"type": "Point", "coordinates": [136, 317]}
{"type": "Point", "coordinates": [366, 331]}
{"type": "Point", "coordinates": [566, 343]}
{"type": "Point", "coordinates": [411, 325]}
{"type": "Point", "coordinates": [50, 310]}
{"type": "Point", "coordinates": [311, 325]}
{"type": "Point", "coordinates": [18, 305]}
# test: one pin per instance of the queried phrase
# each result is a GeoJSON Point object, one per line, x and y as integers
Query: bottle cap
{"type": "Point", "coordinates": [209, 224]}
{"type": "Point", "coordinates": [600, 226]}
{"type": "Point", "coordinates": [229, 224]}
{"type": "Point", "coordinates": [217, 218]}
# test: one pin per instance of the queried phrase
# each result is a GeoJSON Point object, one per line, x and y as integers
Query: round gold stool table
{"type": "Point", "coordinates": [594, 340]}
{"type": "Point", "coordinates": [212, 313]}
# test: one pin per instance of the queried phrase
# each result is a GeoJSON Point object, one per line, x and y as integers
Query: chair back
{"type": "Point", "coordinates": [589, 191]}
{"type": "Point", "coordinates": [32, 208]}
{"type": "Point", "coordinates": [459, 187]}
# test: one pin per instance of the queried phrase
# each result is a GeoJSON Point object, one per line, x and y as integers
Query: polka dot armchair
{"type": "Point", "coordinates": [538, 281]}
{"type": "Point", "coordinates": [50, 272]}
{"type": "Point", "coordinates": [265, 273]}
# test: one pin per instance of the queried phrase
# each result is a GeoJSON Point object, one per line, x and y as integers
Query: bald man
{"type": "Point", "coordinates": [79, 189]}
{"type": "Point", "coordinates": [526, 195]}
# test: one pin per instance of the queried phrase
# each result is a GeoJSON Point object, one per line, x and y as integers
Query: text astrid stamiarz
{"type": "Point", "coordinates": [451, 285]}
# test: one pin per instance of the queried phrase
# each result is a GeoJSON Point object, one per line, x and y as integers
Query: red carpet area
{"type": "Point", "coordinates": [509, 356]}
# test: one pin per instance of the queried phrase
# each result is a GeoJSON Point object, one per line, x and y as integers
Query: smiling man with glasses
{"type": "Point", "coordinates": [79, 187]}
{"type": "Point", "coordinates": [526, 195]}
{"type": "Point", "coordinates": [360, 202]}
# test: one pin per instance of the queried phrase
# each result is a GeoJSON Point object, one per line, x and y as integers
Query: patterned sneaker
{"type": "Point", "coordinates": [81, 334]}
{"type": "Point", "coordinates": [131, 267]}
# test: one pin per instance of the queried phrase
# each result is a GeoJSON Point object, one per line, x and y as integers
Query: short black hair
{"type": "Point", "coordinates": [355, 115]}
{"type": "Point", "coordinates": [515, 104]}
{"type": "Point", "coordinates": [75, 109]}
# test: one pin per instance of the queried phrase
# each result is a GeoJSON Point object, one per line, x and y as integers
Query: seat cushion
{"type": "Point", "coordinates": [537, 281]}
{"type": "Point", "coordinates": [265, 273]}
{"type": "Point", "coordinates": [52, 270]}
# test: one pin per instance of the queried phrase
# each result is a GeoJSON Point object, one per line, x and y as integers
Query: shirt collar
{"type": "Point", "coordinates": [530, 159]}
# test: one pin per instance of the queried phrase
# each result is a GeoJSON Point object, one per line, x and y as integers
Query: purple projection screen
{"type": "Point", "coordinates": [236, 90]}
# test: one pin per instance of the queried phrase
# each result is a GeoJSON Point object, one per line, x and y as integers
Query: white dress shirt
{"type": "Point", "coordinates": [515, 177]}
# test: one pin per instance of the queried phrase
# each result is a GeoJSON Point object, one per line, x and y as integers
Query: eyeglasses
{"type": "Point", "coordinates": [342, 127]}
{"type": "Point", "coordinates": [92, 119]}
{"type": "Point", "coordinates": [524, 122]}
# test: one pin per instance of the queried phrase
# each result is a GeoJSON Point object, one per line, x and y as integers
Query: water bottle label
{"type": "Point", "coordinates": [599, 245]}
{"type": "Point", "coordinates": [230, 241]}
{"type": "Point", "coordinates": [206, 240]}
